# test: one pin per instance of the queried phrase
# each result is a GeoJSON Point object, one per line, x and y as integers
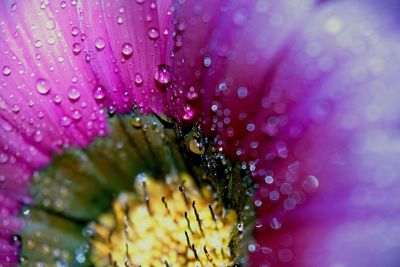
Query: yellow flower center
{"type": "Point", "coordinates": [165, 224]}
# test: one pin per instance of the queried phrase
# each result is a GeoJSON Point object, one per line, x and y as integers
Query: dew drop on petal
{"type": "Point", "coordinates": [43, 86]}
{"type": "Point", "coordinates": [140, 1]}
{"type": "Point", "coordinates": [3, 158]}
{"type": "Point", "coordinates": [162, 75]}
{"type": "Point", "coordinates": [57, 99]}
{"type": "Point", "coordinates": [188, 113]}
{"type": "Point", "coordinates": [275, 223]}
{"type": "Point", "coordinates": [6, 70]}
{"type": "Point", "coordinates": [100, 43]}
{"type": "Point", "coordinates": [38, 136]}
{"type": "Point", "coordinates": [75, 31]}
{"type": "Point", "coordinates": [76, 115]}
{"type": "Point", "coordinates": [310, 184]}
{"type": "Point", "coordinates": [76, 48]}
{"type": "Point", "coordinates": [65, 121]}
{"type": "Point", "coordinates": [127, 50]}
{"type": "Point", "coordinates": [99, 92]}
{"type": "Point", "coordinates": [153, 33]}
{"type": "Point", "coordinates": [120, 20]}
{"type": "Point", "coordinates": [138, 79]}
{"type": "Point", "coordinates": [242, 92]}
{"type": "Point", "coordinates": [73, 94]}
{"type": "Point", "coordinates": [50, 24]}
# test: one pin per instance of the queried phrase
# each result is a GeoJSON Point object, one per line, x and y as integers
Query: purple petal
{"type": "Point", "coordinates": [62, 63]}
{"type": "Point", "coordinates": [308, 95]}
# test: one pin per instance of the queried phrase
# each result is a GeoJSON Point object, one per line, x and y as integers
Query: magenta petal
{"type": "Point", "coordinates": [126, 43]}
{"type": "Point", "coordinates": [308, 95]}
{"type": "Point", "coordinates": [63, 63]}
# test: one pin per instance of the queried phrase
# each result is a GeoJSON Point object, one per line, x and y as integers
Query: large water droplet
{"type": "Point", "coordinates": [43, 86]}
{"type": "Point", "coordinates": [100, 43]}
{"type": "Point", "coordinates": [127, 50]}
{"type": "Point", "coordinates": [162, 75]}
{"type": "Point", "coordinates": [189, 113]}
{"type": "Point", "coordinates": [153, 33]}
{"type": "Point", "coordinates": [310, 184]}
{"type": "Point", "coordinates": [6, 70]}
{"type": "Point", "coordinates": [73, 94]}
{"type": "Point", "coordinates": [99, 92]}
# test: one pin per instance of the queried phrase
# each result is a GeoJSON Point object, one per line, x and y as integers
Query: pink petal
{"type": "Point", "coordinates": [62, 63]}
{"type": "Point", "coordinates": [308, 95]}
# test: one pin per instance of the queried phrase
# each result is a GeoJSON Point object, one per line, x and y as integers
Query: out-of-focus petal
{"type": "Point", "coordinates": [307, 93]}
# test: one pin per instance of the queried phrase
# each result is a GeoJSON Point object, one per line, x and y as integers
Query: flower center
{"type": "Point", "coordinates": [166, 224]}
{"type": "Point", "coordinates": [188, 207]}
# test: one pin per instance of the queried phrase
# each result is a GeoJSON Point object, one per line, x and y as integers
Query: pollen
{"type": "Point", "coordinates": [165, 223]}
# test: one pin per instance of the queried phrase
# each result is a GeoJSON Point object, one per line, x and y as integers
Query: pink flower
{"type": "Point", "coordinates": [304, 91]}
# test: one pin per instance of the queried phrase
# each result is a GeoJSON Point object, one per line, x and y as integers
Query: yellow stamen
{"type": "Point", "coordinates": [165, 224]}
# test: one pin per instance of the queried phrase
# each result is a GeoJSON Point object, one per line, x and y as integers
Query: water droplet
{"type": "Point", "coordinates": [140, 1]}
{"type": "Point", "coordinates": [57, 99]}
{"type": "Point", "coordinates": [76, 48]}
{"type": "Point", "coordinates": [188, 113]}
{"type": "Point", "coordinates": [6, 70]}
{"type": "Point", "coordinates": [16, 241]}
{"type": "Point", "coordinates": [153, 33]}
{"type": "Point", "coordinates": [162, 75]}
{"type": "Point", "coordinates": [65, 121]}
{"type": "Point", "coordinates": [76, 115]}
{"type": "Point", "coordinates": [310, 184]}
{"type": "Point", "coordinates": [43, 86]}
{"type": "Point", "coordinates": [275, 223]}
{"type": "Point", "coordinates": [127, 50]}
{"type": "Point", "coordinates": [207, 61]}
{"type": "Point", "coordinates": [38, 43]}
{"type": "Point", "coordinates": [75, 31]}
{"type": "Point", "coordinates": [63, 4]}
{"type": "Point", "coordinates": [3, 158]}
{"type": "Point", "coordinates": [138, 79]}
{"type": "Point", "coordinates": [242, 92]}
{"type": "Point", "coordinates": [15, 108]}
{"type": "Point", "coordinates": [196, 146]}
{"type": "Point", "coordinates": [50, 24]}
{"type": "Point", "coordinates": [100, 43]}
{"type": "Point", "coordinates": [99, 92]}
{"type": "Point", "coordinates": [120, 20]}
{"type": "Point", "coordinates": [51, 40]}
{"type": "Point", "coordinates": [38, 136]}
{"type": "Point", "coordinates": [73, 94]}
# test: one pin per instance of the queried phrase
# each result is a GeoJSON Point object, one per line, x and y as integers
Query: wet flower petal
{"type": "Point", "coordinates": [309, 99]}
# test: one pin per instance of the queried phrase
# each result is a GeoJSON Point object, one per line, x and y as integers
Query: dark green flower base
{"type": "Point", "coordinates": [81, 184]}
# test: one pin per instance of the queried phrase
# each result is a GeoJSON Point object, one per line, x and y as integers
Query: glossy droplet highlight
{"type": "Point", "coordinates": [127, 50]}
{"type": "Point", "coordinates": [73, 94]}
{"type": "Point", "coordinates": [6, 70]}
{"type": "Point", "coordinates": [42, 86]}
{"type": "Point", "coordinates": [310, 184]}
{"type": "Point", "coordinates": [99, 92]}
{"type": "Point", "coordinates": [162, 75]}
{"type": "Point", "coordinates": [76, 48]}
{"type": "Point", "coordinates": [100, 43]}
{"type": "Point", "coordinates": [138, 79]}
{"type": "Point", "coordinates": [153, 33]}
